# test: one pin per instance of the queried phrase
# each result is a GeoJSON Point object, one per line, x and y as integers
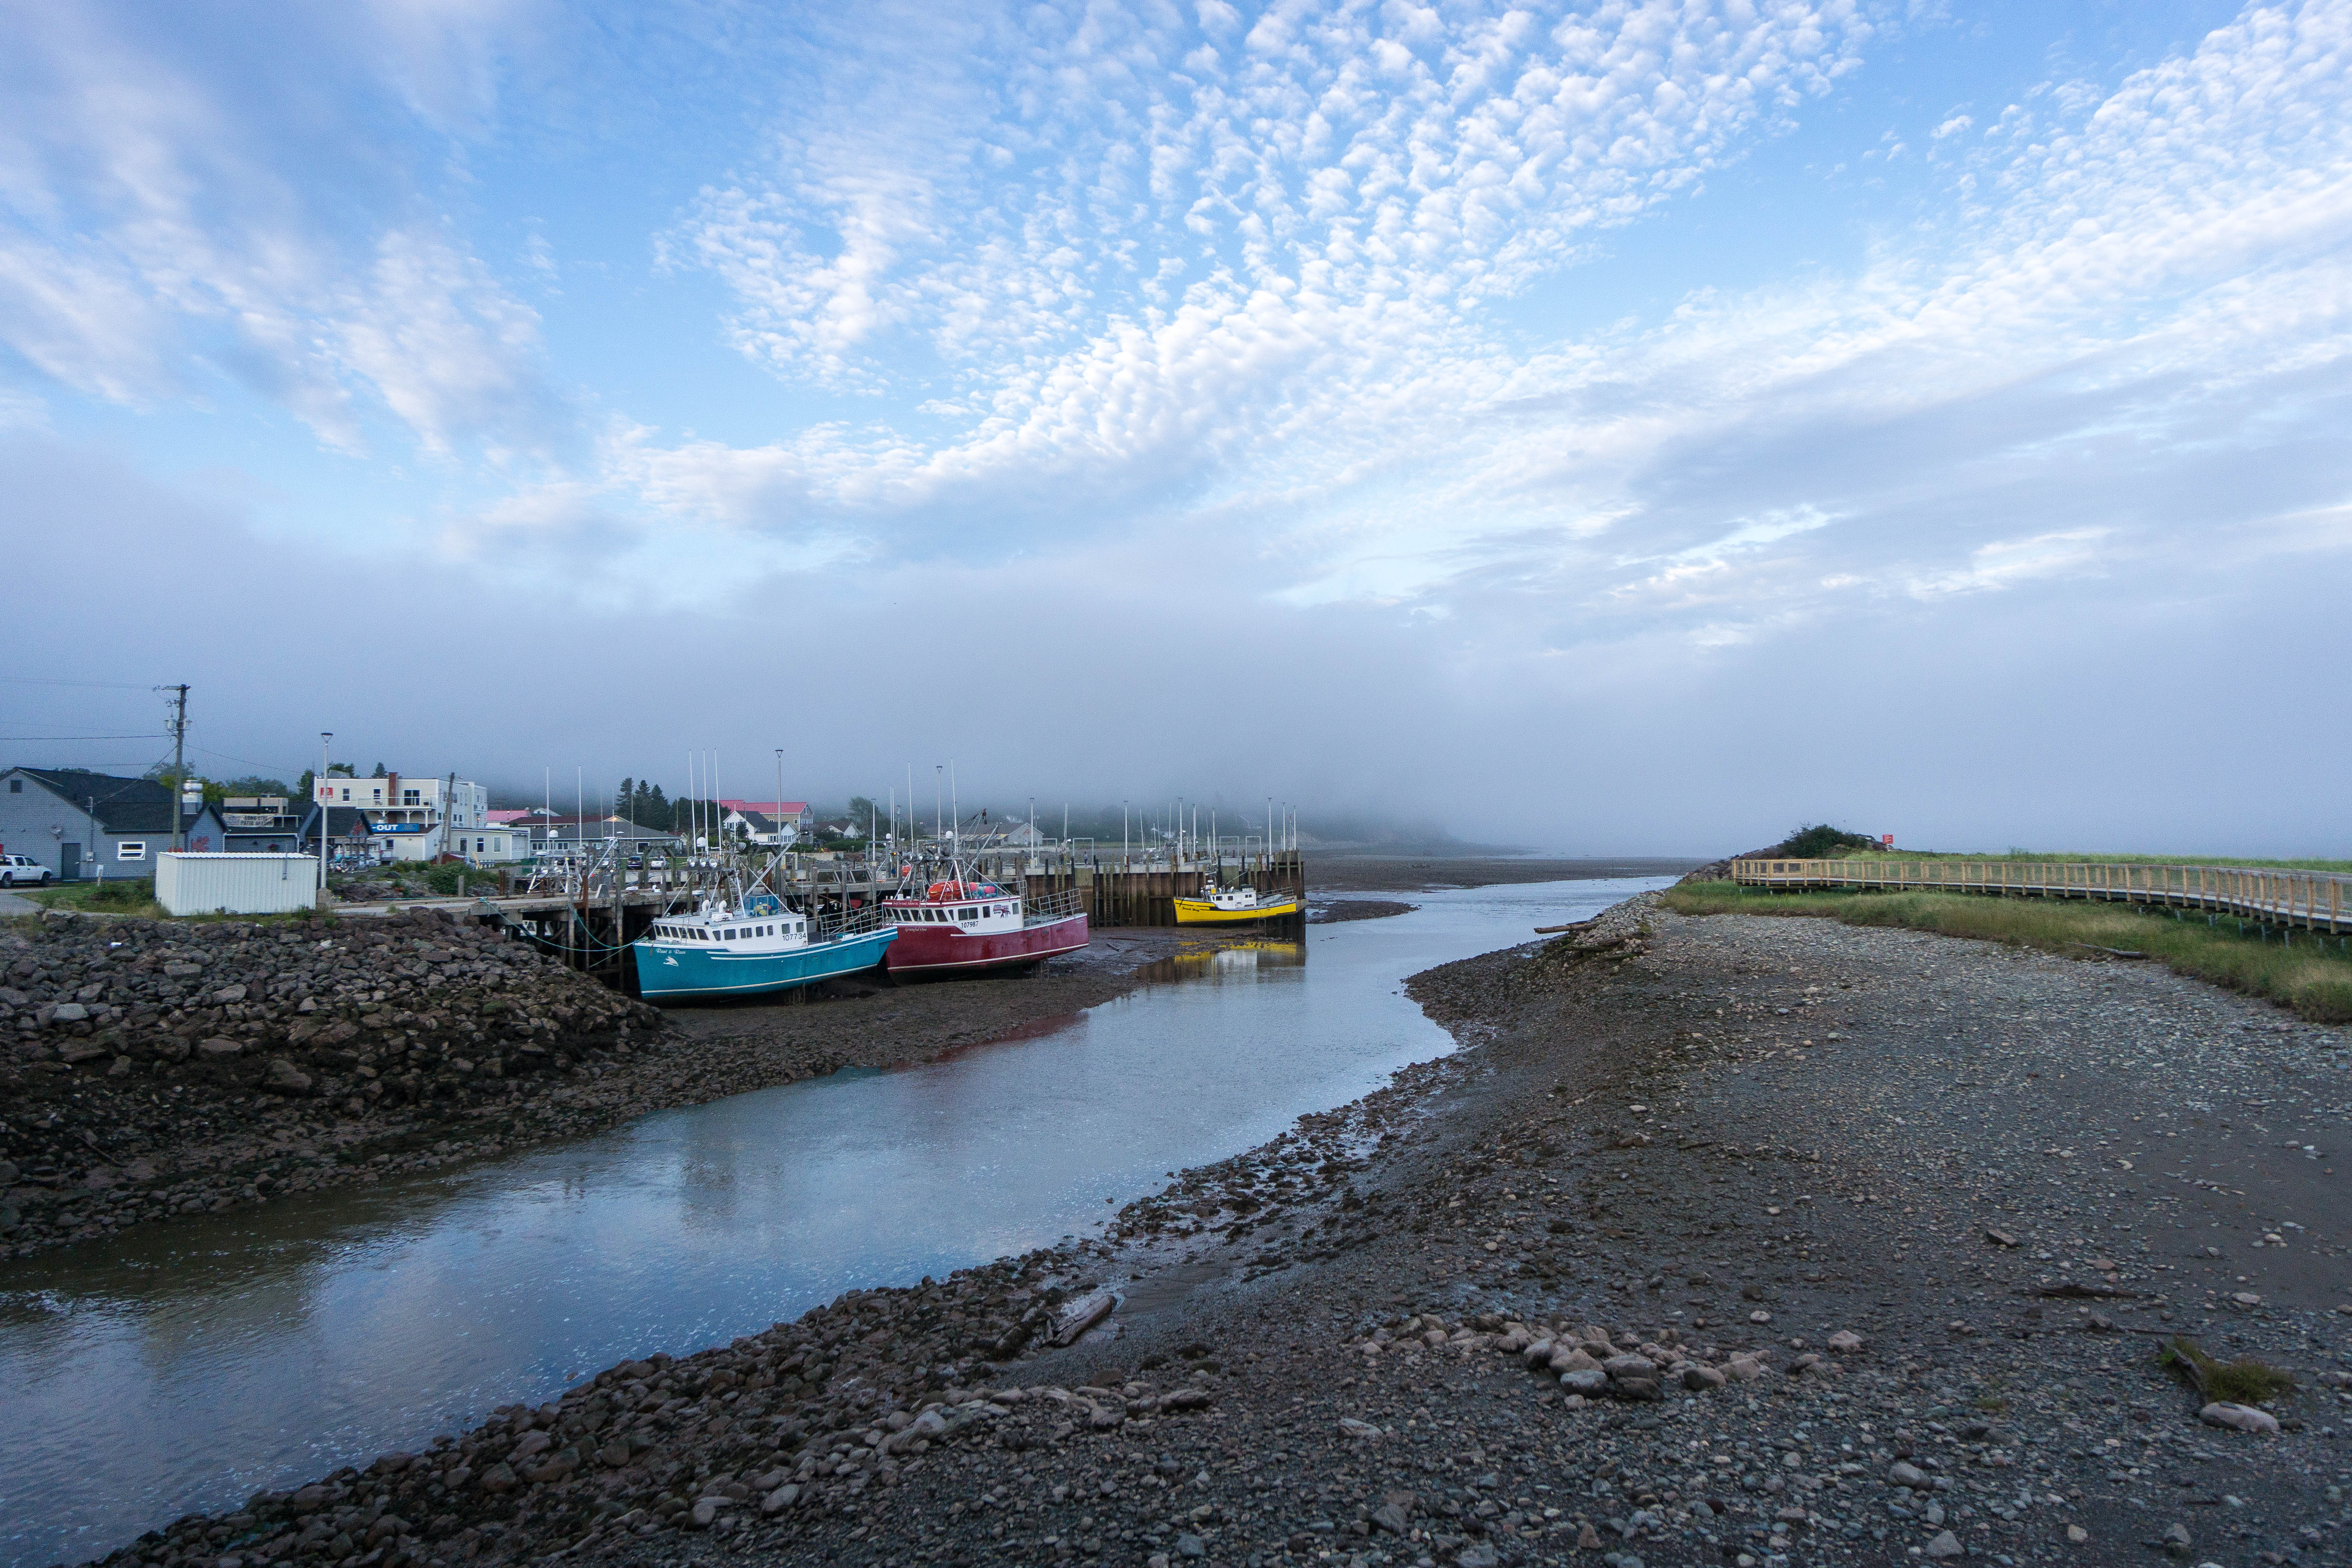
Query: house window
{"type": "Point", "coordinates": [347, 795]}
{"type": "Point", "coordinates": [15, 787]}
{"type": "Point", "coordinates": [131, 849]}
{"type": "Point", "coordinates": [411, 798]}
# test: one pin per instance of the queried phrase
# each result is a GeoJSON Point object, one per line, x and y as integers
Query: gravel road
{"type": "Point", "coordinates": [1729, 1240]}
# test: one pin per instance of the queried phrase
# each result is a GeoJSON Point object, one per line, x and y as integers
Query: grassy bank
{"type": "Point", "coordinates": [2315, 981]}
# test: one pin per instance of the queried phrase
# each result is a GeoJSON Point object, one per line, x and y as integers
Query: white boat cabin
{"type": "Point", "coordinates": [974, 907]}
{"type": "Point", "coordinates": [732, 930]}
{"type": "Point", "coordinates": [1233, 898]}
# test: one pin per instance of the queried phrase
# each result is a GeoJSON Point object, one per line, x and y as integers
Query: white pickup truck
{"type": "Point", "coordinates": [15, 868]}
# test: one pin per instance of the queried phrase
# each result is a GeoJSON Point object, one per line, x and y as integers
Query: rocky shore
{"type": "Point", "coordinates": [1732, 1240]}
{"type": "Point", "coordinates": [151, 1069]}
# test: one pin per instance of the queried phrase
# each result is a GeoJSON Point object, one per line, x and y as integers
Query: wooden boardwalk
{"type": "Point", "coordinates": [2306, 900]}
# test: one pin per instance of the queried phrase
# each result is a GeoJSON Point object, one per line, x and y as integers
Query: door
{"type": "Point", "coordinates": [69, 861]}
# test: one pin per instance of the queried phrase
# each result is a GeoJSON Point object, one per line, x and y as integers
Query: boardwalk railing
{"type": "Point", "coordinates": [2314, 901]}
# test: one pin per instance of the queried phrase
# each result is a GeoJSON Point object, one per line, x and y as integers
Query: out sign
{"type": "Point", "coordinates": [1886, 840]}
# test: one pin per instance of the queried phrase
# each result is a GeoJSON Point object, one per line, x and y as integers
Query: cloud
{"type": "Point", "coordinates": [189, 210]}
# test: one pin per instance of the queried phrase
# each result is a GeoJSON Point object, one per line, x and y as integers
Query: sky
{"type": "Point", "coordinates": [1609, 427]}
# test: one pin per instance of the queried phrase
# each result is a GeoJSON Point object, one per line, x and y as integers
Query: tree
{"type": "Point", "coordinates": [381, 771]}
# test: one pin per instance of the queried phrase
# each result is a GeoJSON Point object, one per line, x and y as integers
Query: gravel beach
{"type": "Point", "coordinates": [1756, 1241]}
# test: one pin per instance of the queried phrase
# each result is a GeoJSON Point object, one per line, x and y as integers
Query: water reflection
{"type": "Point", "coordinates": [183, 1367]}
{"type": "Point", "coordinates": [1237, 963]}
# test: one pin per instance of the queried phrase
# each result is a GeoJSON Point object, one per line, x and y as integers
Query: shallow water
{"type": "Point", "coordinates": [184, 1368]}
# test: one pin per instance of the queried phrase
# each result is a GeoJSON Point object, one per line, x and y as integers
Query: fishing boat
{"type": "Point", "coordinates": [1233, 906]}
{"type": "Point", "coordinates": [750, 945]}
{"type": "Point", "coordinates": [960, 926]}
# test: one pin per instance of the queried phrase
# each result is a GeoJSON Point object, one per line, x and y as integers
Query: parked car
{"type": "Point", "coordinates": [15, 868]}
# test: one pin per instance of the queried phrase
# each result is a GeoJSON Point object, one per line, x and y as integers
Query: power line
{"type": "Point", "coordinates": [78, 737]}
{"type": "Point", "coordinates": [44, 681]}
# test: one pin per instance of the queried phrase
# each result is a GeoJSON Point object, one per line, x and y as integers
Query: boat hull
{"type": "Point", "coordinates": [943, 949]}
{"type": "Point", "coordinates": [668, 973]}
{"type": "Point", "coordinates": [1202, 912]}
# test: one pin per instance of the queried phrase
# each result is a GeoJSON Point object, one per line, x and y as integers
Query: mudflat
{"type": "Point", "coordinates": [1422, 873]}
{"type": "Point", "coordinates": [1722, 1238]}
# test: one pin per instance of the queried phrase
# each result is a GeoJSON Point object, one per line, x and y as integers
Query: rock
{"type": "Point", "coordinates": [2177, 1542]}
{"type": "Point", "coordinates": [1192, 1546]}
{"type": "Point", "coordinates": [1933, 1513]}
{"type": "Point", "coordinates": [1845, 1342]}
{"type": "Point", "coordinates": [2239, 1417]}
{"type": "Point", "coordinates": [783, 1498]}
{"type": "Point", "coordinates": [704, 1513]}
{"type": "Point", "coordinates": [1759, 1316]}
{"type": "Point", "coordinates": [1743, 1369]}
{"type": "Point", "coordinates": [1476, 1557]}
{"type": "Point", "coordinates": [1352, 1428]}
{"type": "Point", "coordinates": [285, 1077]}
{"type": "Point", "coordinates": [7, 1173]}
{"type": "Point", "coordinates": [1699, 1379]}
{"type": "Point", "coordinates": [69, 1013]}
{"type": "Point", "coordinates": [218, 1049]}
{"type": "Point", "coordinates": [228, 994]}
{"type": "Point", "coordinates": [1571, 1358]}
{"type": "Point", "coordinates": [1588, 1539]}
{"type": "Point", "coordinates": [73, 1053]}
{"type": "Point", "coordinates": [2000, 1239]}
{"type": "Point", "coordinates": [1903, 1473]}
{"type": "Point", "coordinates": [530, 1446]}
{"type": "Point", "coordinates": [1591, 1380]}
{"type": "Point", "coordinates": [1390, 1518]}
{"type": "Point", "coordinates": [499, 1477]}
{"type": "Point", "coordinates": [1946, 1545]}
{"type": "Point", "coordinates": [2077, 1534]}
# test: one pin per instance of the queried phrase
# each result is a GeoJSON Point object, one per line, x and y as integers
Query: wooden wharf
{"type": "Point", "coordinates": [2267, 896]}
{"type": "Point", "coordinates": [590, 927]}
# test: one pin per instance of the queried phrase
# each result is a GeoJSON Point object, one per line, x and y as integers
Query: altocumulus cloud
{"type": "Point", "coordinates": [1211, 319]}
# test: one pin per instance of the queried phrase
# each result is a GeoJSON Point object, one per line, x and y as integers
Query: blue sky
{"type": "Point", "coordinates": [1538, 415]}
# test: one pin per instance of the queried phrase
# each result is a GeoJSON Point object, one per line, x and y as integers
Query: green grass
{"type": "Point", "coordinates": [115, 896]}
{"type": "Point", "coordinates": [2242, 1381]}
{"type": "Point", "coordinates": [2096, 858]}
{"type": "Point", "coordinates": [2315, 981]}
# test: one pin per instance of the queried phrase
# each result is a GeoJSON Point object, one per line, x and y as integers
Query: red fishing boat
{"type": "Point", "coordinates": [962, 927]}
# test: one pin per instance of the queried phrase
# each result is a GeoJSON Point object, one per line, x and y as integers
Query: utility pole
{"type": "Point", "coordinates": [326, 744]}
{"type": "Point", "coordinates": [179, 727]}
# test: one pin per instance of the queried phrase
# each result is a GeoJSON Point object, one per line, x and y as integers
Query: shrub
{"type": "Point", "coordinates": [1822, 841]}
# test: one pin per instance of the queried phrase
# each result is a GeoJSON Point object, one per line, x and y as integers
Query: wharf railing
{"type": "Point", "coordinates": [2308, 901]}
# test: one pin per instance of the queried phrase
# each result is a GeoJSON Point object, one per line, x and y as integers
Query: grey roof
{"type": "Point", "coordinates": [123, 805]}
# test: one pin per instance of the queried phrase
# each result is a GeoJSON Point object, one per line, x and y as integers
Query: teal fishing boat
{"type": "Point", "coordinates": [748, 946]}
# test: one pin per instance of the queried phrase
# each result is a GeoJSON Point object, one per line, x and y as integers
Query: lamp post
{"type": "Point", "coordinates": [326, 743]}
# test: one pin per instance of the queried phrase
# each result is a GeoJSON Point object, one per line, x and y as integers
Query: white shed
{"type": "Point", "coordinates": [235, 884]}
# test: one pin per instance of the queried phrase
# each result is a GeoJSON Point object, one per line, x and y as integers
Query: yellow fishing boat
{"type": "Point", "coordinates": [1233, 906]}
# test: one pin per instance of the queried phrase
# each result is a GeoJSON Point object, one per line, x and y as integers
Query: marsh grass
{"type": "Point", "coordinates": [2315, 979]}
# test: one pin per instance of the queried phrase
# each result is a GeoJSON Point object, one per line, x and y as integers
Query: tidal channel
{"type": "Point", "coordinates": [183, 1369]}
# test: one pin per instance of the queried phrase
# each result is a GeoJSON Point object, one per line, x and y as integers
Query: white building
{"type": "Point", "coordinates": [423, 819]}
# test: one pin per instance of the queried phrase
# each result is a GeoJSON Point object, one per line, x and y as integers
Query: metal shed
{"type": "Point", "coordinates": [235, 884]}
